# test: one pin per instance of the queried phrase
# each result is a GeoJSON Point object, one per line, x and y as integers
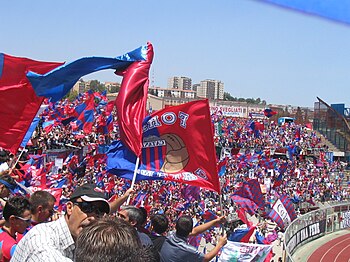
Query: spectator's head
{"type": "Point", "coordinates": [17, 213]}
{"type": "Point", "coordinates": [7, 185]}
{"type": "Point", "coordinates": [3, 156]}
{"type": "Point", "coordinates": [144, 216]}
{"type": "Point", "coordinates": [184, 226]}
{"type": "Point", "coordinates": [131, 214]}
{"type": "Point", "coordinates": [110, 240]}
{"type": "Point", "coordinates": [42, 206]}
{"type": "Point", "coordinates": [85, 205]}
{"type": "Point", "coordinates": [159, 223]}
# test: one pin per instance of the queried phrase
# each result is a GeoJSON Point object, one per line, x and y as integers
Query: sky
{"type": "Point", "coordinates": [256, 49]}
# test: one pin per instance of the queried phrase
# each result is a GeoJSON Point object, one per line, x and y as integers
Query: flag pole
{"type": "Point", "coordinates": [133, 178]}
{"type": "Point", "coordinates": [18, 158]}
{"type": "Point", "coordinates": [222, 213]}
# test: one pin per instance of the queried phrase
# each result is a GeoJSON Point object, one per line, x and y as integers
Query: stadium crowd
{"type": "Point", "coordinates": [288, 159]}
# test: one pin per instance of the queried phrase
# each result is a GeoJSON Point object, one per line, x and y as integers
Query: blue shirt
{"type": "Point", "coordinates": [176, 249]}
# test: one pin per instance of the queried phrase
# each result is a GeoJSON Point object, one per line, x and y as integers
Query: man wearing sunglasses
{"type": "Point", "coordinates": [17, 218]}
{"type": "Point", "coordinates": [55, 241]}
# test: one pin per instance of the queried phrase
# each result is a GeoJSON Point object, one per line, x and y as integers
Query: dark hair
{"type": "Point", "coordinates": [134, 213]}
{"type": "Point", "coordinates": [184, 226]}
{"type": "Point", "coordinates": [160, 223]}
{"type": "Point", "coordinates": [8, 181]}
{"type": "Point", "coordinates": [144, 215]}
{"type": "Point", "coordinates": [110, 240]}
{"type": "Point", "coordinates": [41, 198]}
{"type": "Point", "coordinates": [15, 206]}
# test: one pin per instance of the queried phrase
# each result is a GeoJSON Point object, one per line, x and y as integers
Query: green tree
{"type": "Point", "coordinates": [72, 95]}
{"type": "Point", "coordinates": [114, 89]}
{"type": "Point", "coordinates": [228, 97]}
{"type": "Point", "coordinates": [97, 86]}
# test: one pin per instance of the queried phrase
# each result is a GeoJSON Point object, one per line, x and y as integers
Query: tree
{"type": "Point", "coordinates": [97, 86]}
{"type": "Point", "coordinates": [114, 89]}
{"type": "Point", "coordinates": [228, 97]}
{"type": "Point", "coordinates": [72, 95]}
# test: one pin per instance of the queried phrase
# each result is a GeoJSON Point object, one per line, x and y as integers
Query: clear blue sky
{"type": "Point", "coordinates": [256, 49]}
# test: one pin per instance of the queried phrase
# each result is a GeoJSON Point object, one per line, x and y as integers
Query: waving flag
{"type": "Point", "coordinates": [334, 10]}
{"type": "Point", "coordinates": [169, 153]}
{"type": "Point", "coordinates": [209, 216]}
{"type": "Point", "coordinates": [86, 118]}
{"type": "Point", "coordinates": [30, 131]}
{"type": "Point", "coordinates": [245, 203]}
{"type": "Point", "coordinates": [195, 240]}
{"type": "Point", "coordinates": [241, 234]}
{"type": "Point", "coordinates": [222, 167]}
{"type": "Point", "coordinates": [57, 83]}
{"type": "Point", "coordinates": [48, 125]}
{"type": "Point", "coordinates": [278, 181]}
{"type": "Point", "coordinates": [234, 251]}
{"type": "Point", "coordinates": [190, 192]}
{"type": "Point", "coordinates": [19, 102]}
{"type": "Point", "coordinates": [252, 191]}
{"type": "Point", "coordinates": [21, 99]}
{"type": "Point", "coordinates": [283, 212]}
{"type": "Point", "coordinates": [269, 112]}
{"type": "Point", "coordinates": [131, 100]}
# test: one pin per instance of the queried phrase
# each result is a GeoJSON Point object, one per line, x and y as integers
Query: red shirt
{"type": "Point", "coordinates": [7, 245]}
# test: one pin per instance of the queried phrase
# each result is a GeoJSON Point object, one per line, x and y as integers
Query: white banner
{"type": "Point", "coordinates": [244, 252]}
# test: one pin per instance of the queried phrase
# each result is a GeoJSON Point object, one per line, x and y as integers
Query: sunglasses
{"type": "Point", "coordinates": [28, 220]}
{"type": "Point", "coordinates": [87, 208]}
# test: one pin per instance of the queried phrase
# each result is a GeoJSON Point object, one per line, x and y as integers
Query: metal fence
{"type": "Point", "coordinates": [315, 224]}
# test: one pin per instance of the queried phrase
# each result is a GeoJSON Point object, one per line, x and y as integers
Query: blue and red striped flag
{"type": "Point", "coordinates": [195, 240]}
{"type": "Point", "coordinates": [209, 216]}
{"type": "Point", "coordinates": [283, 212]}
{"type": "Point", "coordinates": [245, 203]}
{"type": "Point", "coordinates": [278, 181]}
{"type": "Point", "coordinates": [251, 190]}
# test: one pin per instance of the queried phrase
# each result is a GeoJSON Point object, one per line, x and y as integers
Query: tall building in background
{"type": "Point", "coordinates": [211, 89]}
{"type": "Point", "coordinates": [79, 86]}
{"type": "Point", "coordinates": [180, 82]}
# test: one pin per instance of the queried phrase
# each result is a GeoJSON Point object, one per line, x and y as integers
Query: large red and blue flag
{"type": "Point", "coordinates": [19, 102]}
{"type": "Point", "coordinates": [24, 83]}
{"type": "Point", "coordinates": [131, 100]}
{"type": "Point", "coordinates": [177, 145]}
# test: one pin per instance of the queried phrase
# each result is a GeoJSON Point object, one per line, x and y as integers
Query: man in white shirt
{"type": "Point", "coordinates": [55, 241]}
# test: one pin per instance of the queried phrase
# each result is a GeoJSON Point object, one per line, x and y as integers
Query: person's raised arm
{"type": "Point", "coordinates": [118, 202]}
{"type": "Point", "coordinates": [221, 242]}
{"type": "Point", "coordinates": [204, 227]}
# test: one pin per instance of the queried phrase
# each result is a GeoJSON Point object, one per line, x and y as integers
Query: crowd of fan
{"type": "Point", "coordinates": [250, 154]}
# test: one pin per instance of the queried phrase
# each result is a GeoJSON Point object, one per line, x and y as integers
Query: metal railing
{"type": "Point", "coordinates": [315, 224]}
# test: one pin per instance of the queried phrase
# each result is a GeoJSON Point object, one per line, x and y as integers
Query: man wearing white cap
{"type": "Point", "coordinates": [54, 241]}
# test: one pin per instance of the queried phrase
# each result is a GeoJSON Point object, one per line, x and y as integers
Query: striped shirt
{"type": "Point", "coordinates": [47, 242]}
